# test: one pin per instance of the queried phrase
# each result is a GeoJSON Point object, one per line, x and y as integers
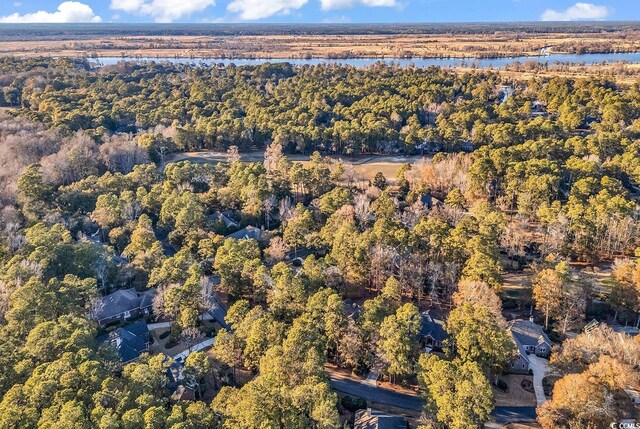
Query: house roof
{"type": "Point", "coordinates": [521, 350]}
{"type": "Point", "coordinates": [130, 340]}
{"type": "Point", "coordinates": [528, 333]}
{"type": "Point", "coordinates": [373, 419]}
{"type": "Point", "coordinates": [218, 311]}
{"type": "Point", "coordinates": [250, 232]}
{"type": "Point", "coordinates": [433, 325]}
{"type": "Point", "coordinates": [174, 373]}
{"type": "Point", "coordinates": [183, 393]}
{"type": "Point", "coordinates": [351, 309]}
{"type": "Point", "coordinates": [226, 220]}
{"type": "Point", "coordinates": [123, 300]}
{"type": "Point", "coordinates": [430, 201]}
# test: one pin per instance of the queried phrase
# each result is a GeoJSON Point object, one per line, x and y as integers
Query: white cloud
{"type": "Point", "coordinates": [258, 9]}
{"type": "Point", "coordinates": [68, 11]}
{"type": "Point", "coordinates": [344, 4]}
{"type": "Point", "coordinates": [129, 6]}
{"type": "Point", "coordinates": [162, 10]}
{"type": "Point", "coordinates": [579, 11]}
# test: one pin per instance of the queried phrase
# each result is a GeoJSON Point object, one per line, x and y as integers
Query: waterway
{"type": "Point", "coordinates": [586, 59]}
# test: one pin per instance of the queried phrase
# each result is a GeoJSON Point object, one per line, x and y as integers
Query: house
{"type": "Point", "coordinates": [521, 363]}
{"type": "Point", "coordinates": [505, 92]}
{"type": "Point", "coordinates": [123, 304]}
{"type": "Point", "coordinates": [538, 109]}
{"type": "Point", "coordinates": [529, 338]}
{"type": "Point", "coordinates": [250, 232]}
{"type": "Point", "coordinates": [429, 146]}
{"type": "Point", "coordinates": [372, 419]}
{"type": "Point", "coordinates": [223, 219]}
{"type": "Point", "coordinates": [432, 333]}
{"type": "Point", "coordinates": [130, 341]}
{"type": "Point", "coordinates": [351, 309]}
{"type": "Point", "coordinates": [466, 146]}
{"type": "Point", "coordinates": [429, 201]}
{"type": "Point", "coordinates": [183, 393]}
{"type": "Point", "coordinates": [218, 311]}
{"type": "Point", "coordinates": [174, 374]}
{"type": "Point", "coordinates": [95, 239]}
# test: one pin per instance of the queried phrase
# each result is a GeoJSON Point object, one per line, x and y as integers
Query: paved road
{"type": "Point", "coordinates": [377, 394]}
{"type": "Point", "coordinates": [514, 414]}
{"type": "Point", "coordinates": [414, 402]}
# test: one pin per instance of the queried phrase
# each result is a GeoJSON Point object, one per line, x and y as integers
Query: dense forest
{"type": "Point", "coordinates": [76, 31]}
{"type": "Point", "coordinates": [538, 175]}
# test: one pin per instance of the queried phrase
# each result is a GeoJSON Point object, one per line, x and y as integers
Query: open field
{"type": "Point", "coordinates": [414, 43]}
{"type": "Point", "coordinates": [365, 167]}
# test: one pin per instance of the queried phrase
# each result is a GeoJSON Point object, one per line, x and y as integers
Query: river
{"type": "Point", "coordinates": [588, 59]}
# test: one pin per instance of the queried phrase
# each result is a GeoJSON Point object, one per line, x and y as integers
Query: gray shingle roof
{"type": "Point", "coordinates": [529, 333]}
{"type": "Point", "coordinates": [218, 311]}
{"type": "Point", "coordinates": [246, 233]}
{"type": "Point", "coordinates": [121, 301]}
{"type": "Point", "coordinates": [521, 350]}
{"type": "Point", "coordinates": [226, 220]}
{"type": "Point", "coordinates": [130, 340]}
{"type": "Point", "coordinates": [432, 325]}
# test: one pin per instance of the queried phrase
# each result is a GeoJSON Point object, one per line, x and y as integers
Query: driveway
{"type": "Point", "coordinates": [374, 374]}
{"type": "Point", "coordinates": [539, 366]}
{"type": "Point", "coordinates": [415, 403]}
{"type": "Point", "coordinates": [182, 357]}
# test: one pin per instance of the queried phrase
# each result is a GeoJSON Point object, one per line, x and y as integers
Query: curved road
{"type": "Point", "coordinates": [377, 394]}
{"type": "Point", "coordinates": [414, 402]}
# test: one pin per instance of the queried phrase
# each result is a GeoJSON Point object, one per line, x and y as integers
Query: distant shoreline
{"type": "Point", "coordinates": [221, 29]}
{"type": "Point", "coordinates": [497, 62]}
{"type": "Point", "coordinates": [551, 55]}
{"type": "Point", "coordinates": [443, 44]}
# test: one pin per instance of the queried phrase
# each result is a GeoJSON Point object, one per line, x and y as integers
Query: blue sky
{"type": "Point", "coordinates": [305, 11]}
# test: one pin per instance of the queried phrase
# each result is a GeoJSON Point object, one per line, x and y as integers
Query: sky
{"type": "Point", "coordinates": [315, 11]}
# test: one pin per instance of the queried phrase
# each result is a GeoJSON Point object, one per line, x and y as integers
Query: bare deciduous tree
{"type": "Point", "coordinates": [120, 153]}
{"type": "Point", "coordinates": [277, 250]}
{"type": "Point", "coordinates": [442, 176]}
{"type": "Point", "coordinates": [514, 237]}
{"type": "Point", "coordinates": [272, 156]}
{"type": "Point", "coordinates": [285, 209]}
{"type": "Point", "coordinates": [362, 209]}
{"type": "Point", "coordinates": [268, 205]}
{"type": "Point", "coordinates": [383, 263]}
{"type": "Point", "coordinates": [77, 159]}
